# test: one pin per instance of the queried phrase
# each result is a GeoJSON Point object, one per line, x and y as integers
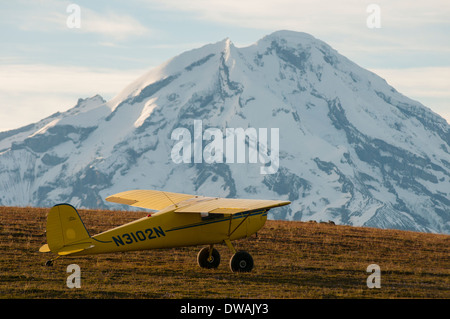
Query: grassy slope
{"type": "Point", "coordinates": [292, 260]}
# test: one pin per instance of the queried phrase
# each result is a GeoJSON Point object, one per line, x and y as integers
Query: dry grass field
{"type": "Point", "coordinates": [292, 260]}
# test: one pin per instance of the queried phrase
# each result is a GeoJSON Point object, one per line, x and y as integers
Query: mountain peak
{"type": "Point", "coordinates": [292, 39]}
{"type": "Point", "coordinates": [294, 36]}
{"type": "Point", "coordinates": [350, 147]}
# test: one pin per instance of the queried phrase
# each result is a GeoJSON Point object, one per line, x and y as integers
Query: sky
{"type": "Point", "coordinates": [53, 52]}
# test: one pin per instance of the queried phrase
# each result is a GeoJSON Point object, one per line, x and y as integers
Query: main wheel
{"type": "Point", "coordinates": [205, 261]}
{"type": "Point", "coordinates": [241, 261]}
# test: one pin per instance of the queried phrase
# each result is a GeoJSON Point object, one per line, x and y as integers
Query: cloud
{"type": "Point", "coordinates": [428, 85]}
{"type": "Point", "coordinates": [426, 82]}
{"type": "Point", "coordinates": [112, 25]}
{"type": "Point", "coordinates": [28, 93]}
{"type": "Point", "coordinates": [265, 15]}
{"type": "Point", "coordinates": [52, 16]}
{"type": "Point", "coordinates": [308, 13]}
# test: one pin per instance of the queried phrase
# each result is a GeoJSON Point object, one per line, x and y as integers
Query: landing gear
{"type": "Point", "coordinates": [241, 261]}
{"type": "Point", "coordinates": [208, 257]}
{"type": "Point", "coordinates": [49, 263]}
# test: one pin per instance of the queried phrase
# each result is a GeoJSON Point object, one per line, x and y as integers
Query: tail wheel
{"type": "Point", "coordinates": [241, 261]}
{"type": "Point", "coordinates": [207, 260]}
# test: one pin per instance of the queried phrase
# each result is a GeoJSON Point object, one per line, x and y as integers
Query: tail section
{"type": "Point", "coordinates": [66, 233]}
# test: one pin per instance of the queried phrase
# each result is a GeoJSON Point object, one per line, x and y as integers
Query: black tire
{"type": "Point", "coordinates": [241, 261]}
{"type": "Point", "coordinates": [205, 262]}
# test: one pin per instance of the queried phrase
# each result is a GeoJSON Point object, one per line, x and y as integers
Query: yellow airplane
{"type": "Point", "coordinates": [180, 220]}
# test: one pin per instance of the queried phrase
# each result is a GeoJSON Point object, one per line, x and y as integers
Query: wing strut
{"type": "Point", "coordinates": [170, 199]}
{"type": "Point", "coordinates": [229, 227]}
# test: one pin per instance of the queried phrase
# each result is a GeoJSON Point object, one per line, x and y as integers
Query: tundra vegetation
{"type": "Point", "coordinates": [292, 260]}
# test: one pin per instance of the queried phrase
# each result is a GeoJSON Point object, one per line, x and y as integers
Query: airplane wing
{"type": "Point", "coordinates": [157, 200]}
{"type": "Point", "coordinates": [150, 199]}
{"type": "Point", "coordinates": [229, 205]}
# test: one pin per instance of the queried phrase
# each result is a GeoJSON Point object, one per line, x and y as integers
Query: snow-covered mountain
{"type": "Point", "coordinates": [351, 148]}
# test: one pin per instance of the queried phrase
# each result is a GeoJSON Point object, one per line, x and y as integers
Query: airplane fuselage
{"type": "Point", "coordinates": [167, 229]}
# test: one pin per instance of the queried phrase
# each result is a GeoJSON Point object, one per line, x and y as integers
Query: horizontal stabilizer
{"type": "Point", "coordinates": [44, 249]}
{"type": "Point", "coordinates": [67, 250]}
{"type": "Point", "coordinates": [74, 248]}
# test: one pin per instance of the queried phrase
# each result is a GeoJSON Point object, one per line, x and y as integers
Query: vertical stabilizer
{"type": "Point", "coordinates": [66, 232]}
